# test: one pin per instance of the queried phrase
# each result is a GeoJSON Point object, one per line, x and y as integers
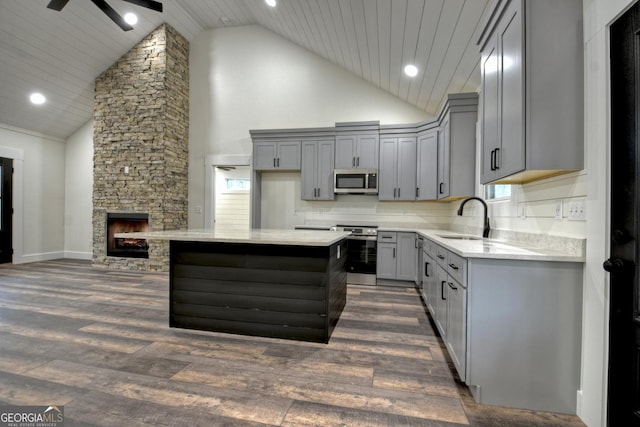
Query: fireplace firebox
{"type": "Point", "coordinates": [127, 223]}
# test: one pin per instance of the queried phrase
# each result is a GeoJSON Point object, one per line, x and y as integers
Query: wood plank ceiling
{"type": "Point", "coordinates": [61, 53]}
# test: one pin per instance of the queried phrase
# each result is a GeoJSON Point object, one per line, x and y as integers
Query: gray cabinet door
{"type": "Point", "coordinates": [510, 158]}
{"type": "Point", "coordinates": [316, 180]}
{"type": "Point", "coordinates": [427, 166]}
{"type": "Point", "coordinates": [272, 155]}
{"type": "Point", "coordinates": [388, 172]}
{"type": "Point", "coordinates": [309, 170]}
{"type": "Point", "coordinates": [407, 257]}
{"type": "Point", "coordinates": [444, 159]}
{"type": "Point", "coordinates": [367, 149]}
{"type": "Point", "coordinates": [490, 110]}
{"type": "Point", "coordinates": [386, 261]}
{"type": "Point", "coordinates": [406, 181]}
{"type": "Point", "coordinates": [457, 325]}
{"type": "Point", "coordinates": [325, 167]}
{"type": "Point", "coordinates": [431, 277]}
{"type": "Point", "coordinates": [441, 302]}
{"type": "Point", "coordinates": [345, 152]}
{"type": "Point", "coordinates": [288, 155]}
{"type": "Point", "coordinates": [264, 155]}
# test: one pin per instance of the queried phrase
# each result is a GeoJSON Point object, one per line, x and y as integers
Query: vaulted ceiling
{"type": "Point", "coordinates": [61, 53]}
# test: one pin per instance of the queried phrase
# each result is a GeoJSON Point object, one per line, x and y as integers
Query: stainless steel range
{"type": "Point", "coordinates": [361, 254]}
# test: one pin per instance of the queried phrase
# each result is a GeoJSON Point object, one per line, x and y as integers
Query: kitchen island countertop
{"type": "Point", "coordinates": [245, 235]}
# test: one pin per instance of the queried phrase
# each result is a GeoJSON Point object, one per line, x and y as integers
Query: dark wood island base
{"type": "Point", "coordinates": [271, 290]}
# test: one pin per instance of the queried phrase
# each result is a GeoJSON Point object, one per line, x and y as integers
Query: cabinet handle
{"type": "Point", "coordinates": [440, 256]}
{"type": "Point", "coordinates": [398, 193]}
{"type": "Point", "coordinates": [394, 193]}
{"type": "Point", "coordinates": [416, 243]}
{"type": "Point", "coordinates": [274, 162]}
{"type": "Point", "coordinates": [358, 161]}
{"type": "Point", "coordinates": [496, 159]}
{"type": "Point", "coordinates": [387, 237]}
{"type": "Point", "coordinates": [452, 287]}
{"type": "Point", "coordinates": [440, 188]}
{"type": "Point", "coordinates": [455, 267]}
{"type": "Point", "coordinates": [426, 269]}
{"type": "Point", "coordinates": [394, 252]}
{"type": "Point", "coordinates": [417, 192]}
{"type": "Point", "coordinates": [442, 290]}
{"type": "Point", "coordinates": [278, 161]}
{"type": "Point", "coordinates": [493, 160]}
{"type": "Point", "coordinates": [353, 162]}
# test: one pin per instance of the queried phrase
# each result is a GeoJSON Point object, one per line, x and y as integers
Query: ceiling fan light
{"type": "Point", "coordinates": [411, 70]}
{"type": "Point", "coordinates": [271, 3]}
{"type": "Point", "coordinates": [131, 18]}
{"type": "Point", "coordinates": [37, 98]}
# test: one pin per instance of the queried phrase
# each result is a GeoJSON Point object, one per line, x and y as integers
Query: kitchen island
{"type": "Point", "coordinates": [273, 283]}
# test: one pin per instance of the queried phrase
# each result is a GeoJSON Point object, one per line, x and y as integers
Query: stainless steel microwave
{"type": "Point", "coordinates": [355, 181]}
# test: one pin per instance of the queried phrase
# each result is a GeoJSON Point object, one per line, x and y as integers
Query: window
{"type": "Point", "coordinates": [497, 191]}
{"type": "Point", "coordinates": [237, 184]}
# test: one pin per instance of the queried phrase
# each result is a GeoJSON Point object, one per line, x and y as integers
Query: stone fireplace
{"type": "Point", "coordinates": [141, 130]}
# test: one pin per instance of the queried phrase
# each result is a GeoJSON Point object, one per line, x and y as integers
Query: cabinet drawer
{"type": "Point", "coordinates": [457, 268]}
{"type": "Point", "coordinates": [441, 257]}
{"type": "Point", "coordinates": [387, 237]}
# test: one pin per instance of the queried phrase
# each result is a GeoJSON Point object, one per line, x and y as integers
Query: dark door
{"type": "Point", "coordinates": [6, 210]}
{"type": "Point", "coordinates": [624, 318]}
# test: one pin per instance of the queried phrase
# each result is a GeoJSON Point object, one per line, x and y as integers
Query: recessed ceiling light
{"type": "Point", "coordinates": [37, 98]}
{"type": "Point", "coordinates": [131, 18]}
{"type": "Point", "coordinates": [411, 70]}
{"type": "Point", "coordinates": [271, 3]}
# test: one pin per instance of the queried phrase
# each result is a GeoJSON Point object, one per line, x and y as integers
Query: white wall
{"type": "Point", "coordinates": [40, 191]}
{"type": "Point", "coordinates": [248, 77]}
{"type": "Point", "coordinates": [78, 229]}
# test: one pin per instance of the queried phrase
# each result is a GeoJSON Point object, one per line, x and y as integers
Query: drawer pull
{"type": "Point", "coordinates": [442, 290]}
{"type": "Point", "coordinates": [440, 256]}
{"type": "Point", "coordinates": [452, 287]}
{"type": "Point", "coordinates": [455, 267]}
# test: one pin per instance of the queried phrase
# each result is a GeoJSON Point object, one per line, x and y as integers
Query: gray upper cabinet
{"type": "Point", "coordinates": [532, 90]}
{"type": "Point", "coordinates": [397, 173]}
{"type": "Point", "coordinates": [456, 147]}
{"type": "Point", "coordinates": [317, 170]}
{"type": "Point", "coordinates": [276, 155]}
{"type": "Point", "coordinates": [357, 145]}
{"type": "Point", "coordinates": [427, 165]}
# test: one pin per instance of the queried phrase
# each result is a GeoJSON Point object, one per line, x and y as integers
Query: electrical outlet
{"type": "Point", "coordinates": [522, 210]}
{"type": "Point", "coordinates": [557, 212]}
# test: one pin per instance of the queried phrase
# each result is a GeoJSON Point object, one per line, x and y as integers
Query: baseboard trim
{"type": "Point", "coordinates": [47, 256]}
{"type": "Point", "coordinates": [86, 256]}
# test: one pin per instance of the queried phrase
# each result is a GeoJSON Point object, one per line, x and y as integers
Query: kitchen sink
{"type": "Point", "coordinates": [459, 236]}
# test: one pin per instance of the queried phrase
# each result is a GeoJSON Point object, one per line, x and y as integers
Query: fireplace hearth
{"type": "Point", "coordinates": [127, 223]}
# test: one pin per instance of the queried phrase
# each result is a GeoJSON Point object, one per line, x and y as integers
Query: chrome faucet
{"type": "Point", "coordinates": [486, 229]}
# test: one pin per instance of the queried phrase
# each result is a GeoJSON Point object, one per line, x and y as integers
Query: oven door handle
{"type": "Point", "coordinates": [362, 238]}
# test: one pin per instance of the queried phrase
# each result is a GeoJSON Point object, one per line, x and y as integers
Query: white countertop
{"type": "Point", "coordinates": [250, 236]}
{"type": "Point", "coordinates": [489, 248]}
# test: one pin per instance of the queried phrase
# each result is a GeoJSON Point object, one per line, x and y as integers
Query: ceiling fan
{"type": "Point", "coordinates": [109, 11]}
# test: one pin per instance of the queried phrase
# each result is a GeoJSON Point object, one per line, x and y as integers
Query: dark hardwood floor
{"type": "Point", "coordinates": [97, 341]}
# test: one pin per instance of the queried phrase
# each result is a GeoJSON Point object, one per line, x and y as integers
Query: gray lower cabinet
{"type": "Point", "coordinates": [272, 155]}
{"type": "Point", "coordinates": [397, 256]}
{"type": "Point", "coordinates": [397, 173]}
{"type": "Point", "coordinates": [407, 262]}
{"type": "Point", "coordinates": [512, 327]}
{"type": "Point", "coordinates": [317, 170]}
